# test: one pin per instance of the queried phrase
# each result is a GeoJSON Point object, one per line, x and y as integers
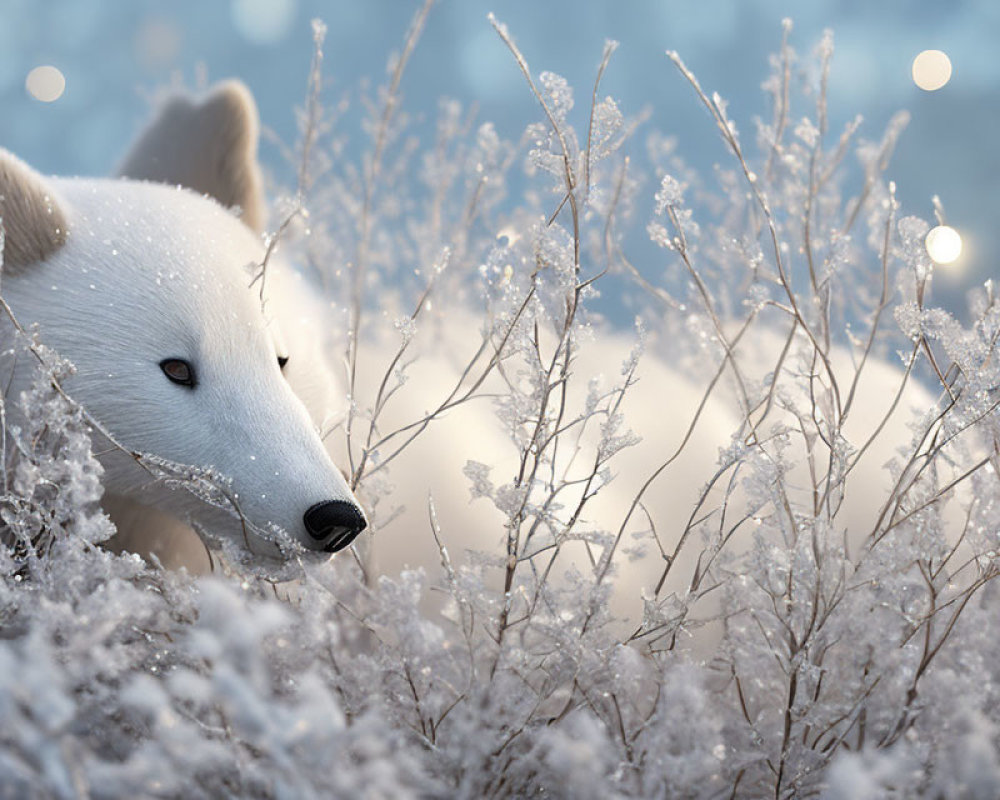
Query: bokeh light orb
{"type": "Point", "coordinates": [264, 21]}
{"type": "Point", "coordinates": [944, 244]}
{"type": "Point", "coordinates": [45, 83]}
{"type": "Point", "coordinates": [931, 70]}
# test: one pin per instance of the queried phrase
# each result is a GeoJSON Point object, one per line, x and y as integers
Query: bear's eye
{"type": "Point", "coordinates": [179, 371]}
{"type": "Point", "coordinates": [282, 360]}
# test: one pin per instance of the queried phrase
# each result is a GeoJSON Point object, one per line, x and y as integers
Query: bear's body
{"type": "Point", "coordinates": [149, 272]}
{"type": "Point", "coordinates": [659, 409]}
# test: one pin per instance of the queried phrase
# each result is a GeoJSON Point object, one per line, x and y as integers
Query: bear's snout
{"type": "Point", "coordinates": [334, 524]}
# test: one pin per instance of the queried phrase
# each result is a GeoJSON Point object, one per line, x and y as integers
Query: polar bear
{"type": "Point", "coordinates": [209, 145]}
{"type": "Point", "coordinates": [143, 287]}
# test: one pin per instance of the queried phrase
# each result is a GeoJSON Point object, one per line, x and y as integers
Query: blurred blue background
{"type": "Point", "coordinates": [114, 54]}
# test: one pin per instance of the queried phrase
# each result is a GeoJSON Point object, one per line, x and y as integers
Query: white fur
{"type": "Point", "coordinates": [149, 272]}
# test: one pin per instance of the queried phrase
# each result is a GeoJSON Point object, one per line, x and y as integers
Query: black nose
{"type": "Point", "coordinates": [337, 521]}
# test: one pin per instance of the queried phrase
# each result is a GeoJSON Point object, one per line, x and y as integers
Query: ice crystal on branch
{"type": "Point", "coordinates": [52, 481]}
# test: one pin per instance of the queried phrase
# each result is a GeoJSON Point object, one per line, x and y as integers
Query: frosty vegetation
{"type": "Point", "coordinates": [843, 667]}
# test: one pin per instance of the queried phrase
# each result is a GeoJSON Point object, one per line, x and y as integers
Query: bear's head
{"type": "Point", "coordinates": [146, 289]}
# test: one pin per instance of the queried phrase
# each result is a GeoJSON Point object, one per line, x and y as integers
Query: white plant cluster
{"type": "Point", "coordinates": [845, 666]}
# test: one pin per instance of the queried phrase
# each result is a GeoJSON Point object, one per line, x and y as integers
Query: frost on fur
{"type": "Point", "coordinates": [815, 617]}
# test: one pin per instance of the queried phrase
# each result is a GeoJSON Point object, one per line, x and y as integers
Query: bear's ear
{"type": "Point", "coordinates": [34, 226]}
{"type": "Point", "coordinates": [208, 145]}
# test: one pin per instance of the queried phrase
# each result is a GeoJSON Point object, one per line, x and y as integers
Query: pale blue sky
{"type": "Point", "coordinates": [113, 52]}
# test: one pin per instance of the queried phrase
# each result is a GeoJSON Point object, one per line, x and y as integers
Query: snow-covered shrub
{"type": "Point", "coordinates": [849, 661]}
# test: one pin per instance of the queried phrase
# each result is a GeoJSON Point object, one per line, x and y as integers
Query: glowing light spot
{"type": "Point", "coordinates": [931, 70]}
{"type": "Point", "coordinates": [45, 83]}
{"type": "Point", "coordinates": [944, 244]}
{"type": "Point", "coordinates": [264, 21]}
{"type": "Point", "coordinates": [508, 237]}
